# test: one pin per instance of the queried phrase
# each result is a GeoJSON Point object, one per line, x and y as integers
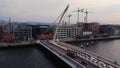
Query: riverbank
{"type": "Point", "coordinates": [95, 39]}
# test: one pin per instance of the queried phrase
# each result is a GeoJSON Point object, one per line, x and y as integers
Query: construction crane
{"type": "Point", "coordinates": [78, 11]}
{"type": "Point", "coordinates": [86, 15]}
{"type": "Point", "coordinates": [69, 18]}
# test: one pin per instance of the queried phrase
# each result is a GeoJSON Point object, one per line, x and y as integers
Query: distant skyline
{"type": "Point", "coordinates": [102, 11]}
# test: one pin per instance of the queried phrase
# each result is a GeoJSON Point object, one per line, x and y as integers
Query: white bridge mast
{"type": "Point", "coordinates": [56, 30]}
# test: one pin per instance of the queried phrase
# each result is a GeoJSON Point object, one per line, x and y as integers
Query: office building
{"type": "Point", "coordinates": [23, 33]}
{"type": "Point", "coordinates": [67, 32]}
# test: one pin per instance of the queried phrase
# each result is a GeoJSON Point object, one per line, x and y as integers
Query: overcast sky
{"type": "Point", "coordinates": [103, 11]}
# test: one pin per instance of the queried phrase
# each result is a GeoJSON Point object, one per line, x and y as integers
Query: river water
{"type": "Point", "coordinates": [24, 58]}
{"type": "Point", "coordinates": [34, 58]}
{"type": "Point", "coordinates": [109, 49]}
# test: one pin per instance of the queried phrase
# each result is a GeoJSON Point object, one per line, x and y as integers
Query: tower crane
{"type": "Point", "coordinates": [78, 11]}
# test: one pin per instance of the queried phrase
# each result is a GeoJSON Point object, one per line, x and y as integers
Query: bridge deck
{"type": "Point", "coordinates": [61, 54]}
{"type": "Point", "coordinates": [74, 62]}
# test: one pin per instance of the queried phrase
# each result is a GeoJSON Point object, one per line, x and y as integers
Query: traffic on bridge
{"type": "Point", "coordinates": [76, 57]}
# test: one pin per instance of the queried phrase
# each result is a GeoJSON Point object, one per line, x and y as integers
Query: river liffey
{"type": "Point", "coordinates": [109, 49]}
{"type": "Point", "coordinates": [25, 58]}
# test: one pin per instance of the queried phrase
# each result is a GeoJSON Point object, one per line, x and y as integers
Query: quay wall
{"type": "Point", "coordinates": [96, 39]}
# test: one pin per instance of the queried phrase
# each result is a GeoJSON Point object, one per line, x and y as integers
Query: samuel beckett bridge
{"type": "Point", "coordinates": [75, 57]}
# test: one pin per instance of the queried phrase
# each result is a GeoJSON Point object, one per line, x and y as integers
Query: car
{"type": "Point", "coordinates": [83, 63]}
{"type": "Point", "coordinates": [102, 64]}
{"type": "Point", "coordinates": [109, 66]}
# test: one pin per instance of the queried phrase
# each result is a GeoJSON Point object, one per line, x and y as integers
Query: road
{"type": "Point", "coordinates": [63, 50]}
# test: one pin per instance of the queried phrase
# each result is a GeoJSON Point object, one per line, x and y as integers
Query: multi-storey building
{"type": "Point", "coordinates": [23, 33]}
{"type": "Point", "coordinates": [109, 30]}
{"type": "Point", "coordinates": [8, 37]}
{"type": "Point", "coordinates": [94, 27]}
{"type": "Point", "coordinates": [41, 29]}
{"type": "Point", "coordinates": [1, 30]}
{"type": "Point", "coordinates": [67, 32]}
